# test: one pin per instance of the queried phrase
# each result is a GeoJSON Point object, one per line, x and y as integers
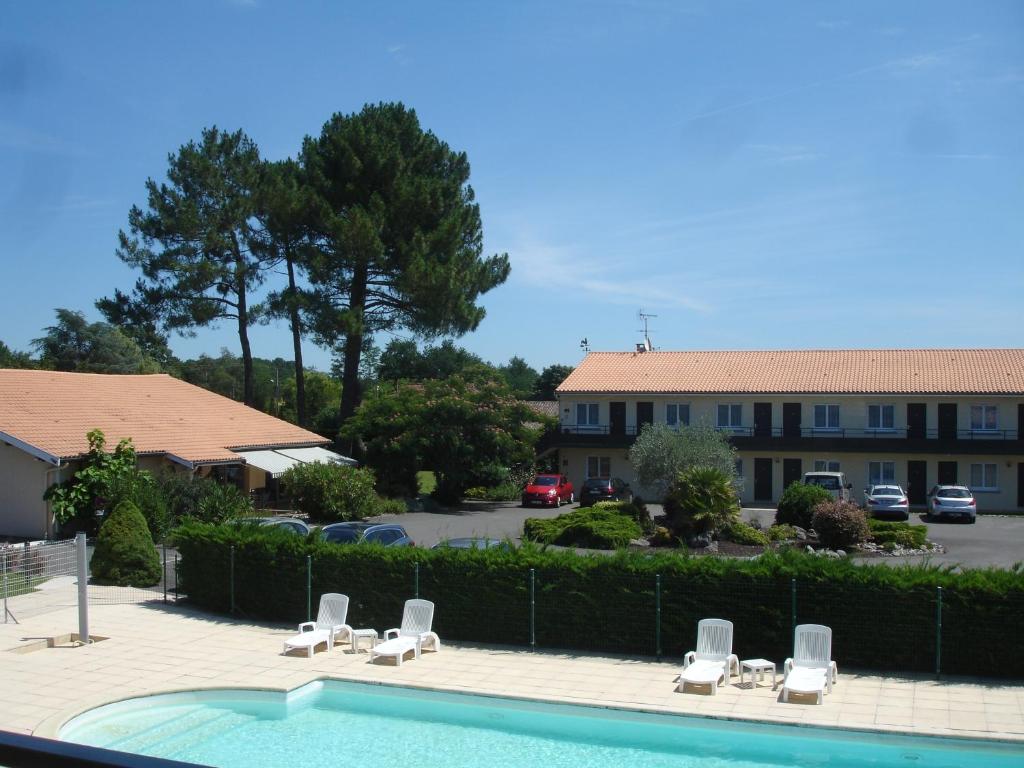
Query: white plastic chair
{"type": "Point", "coordinates": [713, 661]}
{"type": "Point", "coordinates": [412, 635]}
{"type": "Point", "coordinates": [811, 669]}
{"type": "Point", "coordinates": [328, 628]}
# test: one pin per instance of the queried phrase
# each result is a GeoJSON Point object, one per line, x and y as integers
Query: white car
{"type": "Point", "coordinates": [952, 501]}
{"type": "Point", "coordinates": [887, 500]}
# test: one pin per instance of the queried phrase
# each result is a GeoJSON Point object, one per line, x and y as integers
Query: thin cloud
{"type": "Point", "coordinates": [833, 25]}
{"type": "Point", "coordinates": [396, 48]}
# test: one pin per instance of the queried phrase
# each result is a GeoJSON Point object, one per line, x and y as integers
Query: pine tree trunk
{"type": "Point", "coordinates": [293, 311]}
{"type": "Point", "coordinates": [248, 387]}
{"type": "Point", "coordinates": [351, 395]}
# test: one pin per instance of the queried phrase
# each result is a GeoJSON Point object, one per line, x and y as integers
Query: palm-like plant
{"type": "Point", "coordinates": [701, 500]}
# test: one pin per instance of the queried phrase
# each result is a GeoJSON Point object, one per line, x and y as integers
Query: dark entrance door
{"type": "Point", "coordinates": [792, 471]}
{"type": "Point", "coordinates": [947, 421]}
{"type": "Point", "coordinates": [791, 419]}
{"type": "Point", "coordinates": [762, 419]}
{"type": "Point", "coordinates": [917, 419]}
{"type": "Point", "coordinates": [1020, 483]}
{"type": "Point", "coordinates": [617, 418]}
{"type": "Point", "coordinates": [947, 473]}
{"type": "Point", "coordinates": [1020, 421]}
{"type": "Point", "coordinates": [644, 415]}
{"type": "Point", "coordinates": [762, 479]}
{"type": "Point", "coordinates": [917, 482]}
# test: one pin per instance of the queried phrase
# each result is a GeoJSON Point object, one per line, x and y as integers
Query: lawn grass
{"type": "Point", "coordinates": [426, 482]}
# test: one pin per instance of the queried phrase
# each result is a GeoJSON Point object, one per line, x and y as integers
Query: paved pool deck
{"type": "Point", "coordinates": [153, 647]}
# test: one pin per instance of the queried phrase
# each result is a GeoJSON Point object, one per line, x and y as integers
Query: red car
{"type": "Point", "coordinates": [548, 490]}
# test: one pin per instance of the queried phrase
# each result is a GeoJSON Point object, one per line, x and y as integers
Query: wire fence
{"type": "Point", "coordinates": [922, 629]}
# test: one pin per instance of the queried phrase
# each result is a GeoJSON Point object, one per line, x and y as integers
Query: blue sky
{"type": "Point", "coordinates": [757, 175]}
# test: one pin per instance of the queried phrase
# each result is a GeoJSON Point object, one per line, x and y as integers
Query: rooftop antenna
{"type": "Point", "coordinates": [585, 345]}
{"type": "Point", "coordinates": [646, 346]}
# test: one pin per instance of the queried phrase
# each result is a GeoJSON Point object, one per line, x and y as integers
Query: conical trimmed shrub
{"type": "Point", "coordinates": [125, 555]}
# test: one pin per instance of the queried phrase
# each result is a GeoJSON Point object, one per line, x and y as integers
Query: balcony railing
{"type": "Point", "coordinates": [882, 434]}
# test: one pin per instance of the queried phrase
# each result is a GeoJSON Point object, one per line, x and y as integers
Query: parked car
{"type": "Point", "coordinates": [833, 482]}
{"type": "Point", "coordinates": [472, 543]}
{"type": "Point", "coordinates": [287, 523]}
{"type": "Point", "coordinates": [604, 489]}
{"type": "Point", "coordinates": [366, 533]}
{"type": "Point", "coordinates": [952, 501]}
{"type": "Point", "coordinates": [549, 491]}
{"type": "Point", "coordinates": [887, 501]}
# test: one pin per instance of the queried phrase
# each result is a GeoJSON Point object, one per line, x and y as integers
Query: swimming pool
{"type": "Point", "coordinates": [384, 725]}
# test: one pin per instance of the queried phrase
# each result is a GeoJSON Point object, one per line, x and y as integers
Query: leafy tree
{"type": "Point", "coordinates": [468, 428]}
{"type": "Point", "coordinates": [137, 316]}
{"type": "Point", "coordinates": [660, 454]}
{"type": "Point", "coordinates": [701, 500]}
{"type": "Point", "coordinates": [97, 481]}
{"type": "Point", "coordinates": [124, 554]}
{"type": "Point", "coordinates": [400, 239]}
{"type": "Point", "coordinates": [197, 244]}
{"type": "Point", "coordinates": [402, 359]}
{"type": "Point", "coordinates": [548, 381]}
{"type": "Point", "coordinates": [74, 344]}
{"type": "Point", "coordinates": [11, 359]}
{"type": "Point", "coordinates": [331, 493]}
{"type": "Point", "coordinates": [521, 378]}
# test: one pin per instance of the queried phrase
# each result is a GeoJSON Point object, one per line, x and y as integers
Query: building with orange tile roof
{"type": "Point", "coordinates": [45, 415]}
{"type": "Point", "coordinates": [917, 417]}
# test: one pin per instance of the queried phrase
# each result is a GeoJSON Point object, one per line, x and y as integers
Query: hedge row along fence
{"type": "Point", "coordinates": [912, 619]}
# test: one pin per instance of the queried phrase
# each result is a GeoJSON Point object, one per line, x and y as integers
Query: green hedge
{"type": "Point", "coordinates": [882, 617]}
{"type": "Point", "coordinates": [587, 527]}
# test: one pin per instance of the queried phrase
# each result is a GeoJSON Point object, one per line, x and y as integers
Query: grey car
{"type": "Point", "coordinates": [366, 533]}
{"type": "Point", "coordinates": [887, 501]}
{"type": "Point", "coordinates": [290, 524]}
{"type": "Point", "coordinates": [952, 501]}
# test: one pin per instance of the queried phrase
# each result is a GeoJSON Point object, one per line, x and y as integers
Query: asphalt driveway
{"type": "Point", "coordinates": [992, 541]}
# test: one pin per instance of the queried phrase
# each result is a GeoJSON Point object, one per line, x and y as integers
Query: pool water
{"type": "Point", "coordinates": [383, 725]}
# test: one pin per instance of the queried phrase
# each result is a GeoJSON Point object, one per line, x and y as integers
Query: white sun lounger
{"type": "Point", "coordinates": [412, 635]}
{"type": "Point", "coordinates": [811, 669]}
{"type": "Point", "coordinates": [328, 628]}
{"type": "Point", "coordinates": [713, 661]}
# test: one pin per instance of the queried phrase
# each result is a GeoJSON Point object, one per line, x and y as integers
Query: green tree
{"type": "Point", "coordinates": [74, 344]}
{"type": "Point", "coordinates": [521, 378]}
{"type": "Point", "coordinates": [197, 244]}
{"type": "Point", "coordinates": [400, 241]}
{"type": "Point", "coordinates": [124, 554]}
{"type": "Point", "coordinates": [402, 359]}
{"type": "Point", "coordinates": [137, 316]}
{"type": "Point", "coordinates": [548, 381]}
{"type": "Point", "coordinates": [700, 501]}
{"type": "Point", "coordinates": [330, 493]}
{"type": "Point", "coordinates": [661, 453]}
{"type": "Point", "coordinates": [11, 359]}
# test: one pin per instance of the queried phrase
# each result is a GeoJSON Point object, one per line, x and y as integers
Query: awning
{"type": "Point", "coordinates": [269, 461]}
{"type": "Point", "coordinates": [309, 455]}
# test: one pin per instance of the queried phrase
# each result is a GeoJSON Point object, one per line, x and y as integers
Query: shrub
{"type": "Point", "coordinates": [741, 533]}
{"type": "Point", "coordinates": [663, 537]}
{"type": "Point", "coordinates": [886, 532]}
{"type": "Point", "coordinates": [635, 510]}
{"type": "Point", "coordinates": [201, 498]}
{"type": "Point", "coordinates": [798, 502]}
{"type": "Point", "coordinates": [590, 528]}
{"type": "Point", "coordinates": [840, 524]}
{"type": "Point", "coordinates": [701, 500]}
{"type": "Point", "coordinates": [390, 506]}
{"type": "Point", "coordinates": [781, 532]}
{"type": "Point", "coordinates": [502, 492]}
{"type": "Point", "coordinates": [125, 555]}
{"type": "Point", "coordinates": [329, 493]}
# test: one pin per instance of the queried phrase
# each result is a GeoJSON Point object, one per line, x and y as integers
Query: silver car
{"type": "Point", "coordinates": [952, 501]}
{"type": "Point", "coordinates": [887, 501]}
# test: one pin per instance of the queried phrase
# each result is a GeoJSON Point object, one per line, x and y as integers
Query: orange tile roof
{"type": "Point", "coordinates": [52, 411]}
{"type": "Point", "coordinates": [844, 371]}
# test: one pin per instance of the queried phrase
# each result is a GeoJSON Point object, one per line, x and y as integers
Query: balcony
{"type": "Point", "coordinates": [903, 440]}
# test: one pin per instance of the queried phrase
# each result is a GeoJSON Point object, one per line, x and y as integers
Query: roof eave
{"type": "Point", "coordinates": [30, 449]}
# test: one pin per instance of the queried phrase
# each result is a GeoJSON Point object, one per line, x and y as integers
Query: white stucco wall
{"type": "Point", "coordinates": [23, 481]}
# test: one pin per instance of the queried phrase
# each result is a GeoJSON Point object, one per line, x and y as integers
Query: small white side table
{"type": "Point", "coordinates": [360, 634]}
{"type": "Point", "coordinates": [757, 667]}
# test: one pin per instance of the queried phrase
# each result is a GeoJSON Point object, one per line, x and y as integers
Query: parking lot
{"type": "Point", "coordinates": [992, 541]}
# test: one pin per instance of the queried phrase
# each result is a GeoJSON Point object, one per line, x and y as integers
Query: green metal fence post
{"type": "Point", "coordinates": [163, 573]}
{"type": "Point", "coordinates": [792, 606]}
{"type": "Point", "coordinates": [309, 587]}
{"type": "Point", "coordinates": [533, 603]}
{"type": "Point", "coordinates": [416, 579]}
{"type": "Point", "coordinates": [657, 615]}
{"type": "Point", "coordinates": [176, 591]}
{"type": "Point", "coordinates": [938, 632]}
{"type": "Point", "coordinates": [232, 578]}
